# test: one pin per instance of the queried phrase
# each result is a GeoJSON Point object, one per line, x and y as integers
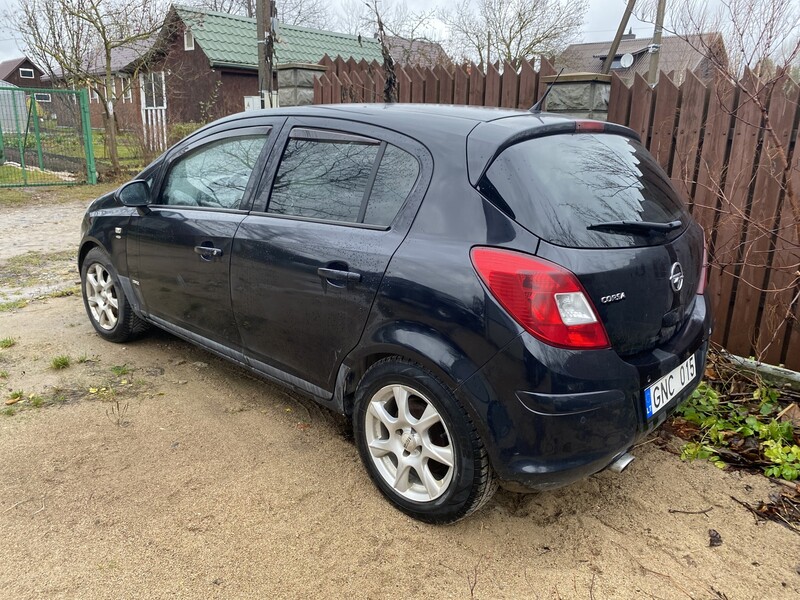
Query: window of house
{"type": "Point", "coordinates": [125, 88]}
{"type": "Point", "coordinates": [26, 73]}
{"type": "Point", "coordinates": [153, 92]}
{"type": "Point", "coordinates": [342, 178]}
{"type": "Point", "coordinates": [93, 95]}
{"type": "Point", "coordinates": [188, 40]}
{"type": "Point", "coordinates": [42, 97]}
{"type": "Point", "coordinates": [215, 175]}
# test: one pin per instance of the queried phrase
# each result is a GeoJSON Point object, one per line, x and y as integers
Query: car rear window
{"type": "Point", "coordinates": [559, 185]}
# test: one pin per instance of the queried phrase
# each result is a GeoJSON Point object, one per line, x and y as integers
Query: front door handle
{"type": "Point", "coordinates": [207, 251]}
{"type": "Point", "coordinates": [337, 275]}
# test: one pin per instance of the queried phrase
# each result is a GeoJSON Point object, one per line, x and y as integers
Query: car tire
{"type": "Point", "coordinates": [418, 443]}
{"type": "Point", "coordinates": [105, 302]}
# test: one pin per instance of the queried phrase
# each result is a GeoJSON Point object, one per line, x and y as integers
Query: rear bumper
{"type": "Point", "coordinates": [553, 416]}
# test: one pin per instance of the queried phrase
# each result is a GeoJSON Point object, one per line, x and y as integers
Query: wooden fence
{"type": "Point", "coordinates": [725, 154]}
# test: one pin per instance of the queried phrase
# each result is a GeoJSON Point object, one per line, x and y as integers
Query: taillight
{"type": "Point", "coordinates": [590, 126]}
{"type": "Point", "coordinates": [701, 286]}
{"type": "Point", "coordinates": [545, 299]}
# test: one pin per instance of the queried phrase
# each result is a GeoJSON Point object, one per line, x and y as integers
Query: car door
{"type": "Point", "coordinates": [308, 261]}
{"type": "Point", "coordinates": [182, 242]}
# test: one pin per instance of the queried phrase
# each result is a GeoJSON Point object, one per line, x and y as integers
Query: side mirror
{"type": "Point", "coordinates": [135, 194]}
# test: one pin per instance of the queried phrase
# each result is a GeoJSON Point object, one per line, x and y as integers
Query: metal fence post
{"type": "Point", "coordinates": [91, 171]}
{"type": "Point", "coordinates": [37, 134]}
{"type": "Point", "coordinates": [19, 139]}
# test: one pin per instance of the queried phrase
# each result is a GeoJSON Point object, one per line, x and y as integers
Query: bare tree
{"type": "Point", "coordinates": [74, 40]}
{"type": "Point", "coordinates": [305, 13]}
{"type": "Point", "coordinates": [512, 30]}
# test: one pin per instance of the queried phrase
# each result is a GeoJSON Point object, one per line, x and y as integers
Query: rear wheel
{"type": "Point", "coordinates": [418, 444]}
{"type": "Point", "coordinates": [105, 301]}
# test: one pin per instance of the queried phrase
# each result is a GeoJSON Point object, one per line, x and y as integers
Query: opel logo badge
{"type": "Point", "coordinates": [676, 277]}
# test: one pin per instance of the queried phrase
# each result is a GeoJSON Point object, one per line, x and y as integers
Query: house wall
{"type": "Point", "coordinates": [14, 77]}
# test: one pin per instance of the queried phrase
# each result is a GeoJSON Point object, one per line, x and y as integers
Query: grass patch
{"type": "Point", "coordinates": [7, 342]}
{"type": "Point", "coordinates": [14, 175]}
{"type": "Point", "coordinates": [9, 411]}
{"type": "Point", "coordinates": [16, 395]}
{"type": "Point", "coordinates": [35, 267]}
{"type": "Point", "coordinates": [13, 305]}
{"type": "Point", "coordinates": [60, 362]}
{"type": "Point", "coordinates": [64, 293]}
{"type": "Point", "coordinates": [3, 374]}
{"type": "Point", "coordinates": [120, 370]}
{"type": "Point", "coordinates": [53, 195]}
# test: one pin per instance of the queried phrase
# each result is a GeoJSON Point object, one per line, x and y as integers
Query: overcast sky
{"type": "Point", "coordinates": [601, 22]}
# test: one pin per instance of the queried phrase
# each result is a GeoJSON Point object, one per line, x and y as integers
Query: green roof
{"type": "Point", "coordinates": [230, 40]}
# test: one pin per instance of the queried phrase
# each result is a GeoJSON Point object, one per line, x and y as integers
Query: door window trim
{"type": "Point", "coordinates": [193, 145]}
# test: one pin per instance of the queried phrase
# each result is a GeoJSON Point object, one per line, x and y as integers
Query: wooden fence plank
{"type": "Point", "coordinates": [403, 85]}
{"type": "Point", "coordinates": [347, 88]}
{"type": "Point", "coordinates": [664, 115]}
{"type": "Point", "coordinates": [431, 87]}
{"type": "Point", "coordinates": [782, 281]}
{"type": "Point", "coordinates": [357, 88]}
{"type": "Point", "coordinates": [380, 84]}
{"type": "Point", "coordinates": [351, 64]}
{"type": "Point", "coordinates": [510, 89]}
{"type": "Point", "coordinates": [336, 89]}
{"type": "Point", "coordinates": [477, 85]}
{"type": "Point", "coordinates": [340, 65]}
{"type": "Point", "coordinates": [318, 89]}
{"type": "Point", "coordinates": [493, 87]}
{"type": "Point", "coordinates": [528, 85]}
{"type": "Point", "coordinates": [619, 101]}
{"type": "Point", "coordinates": [417, 85]}
{"type": "Point", "coordinates": [327, 62]}
{"type": "Point", "coordinates": [641, 99]}
{"type": "Point", "coordinates": [767, 193]}
{"type": "Point", "coordinates": [461, 86]}
{"type": "Point", "coordinates": [445, 84]}
{"type": "Point", "coordinates": [369, 85]}
{"type": "Point", "coordinates": [687, 139]}
{"type": "Point", "coordinates": [727, 249]}
{"type": "Point", "coordinates": [546, 69]}
{"type": "Point", "coordinates": [707, 195]}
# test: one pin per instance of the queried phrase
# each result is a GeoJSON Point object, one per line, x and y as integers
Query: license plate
{"type": "Point", "coordinates": [666, 389]}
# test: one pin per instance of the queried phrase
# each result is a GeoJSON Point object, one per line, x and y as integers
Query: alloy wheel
{"type": "Point", "coordinates": [409, 443]}
{"type": "Point", "coordinates": [101, 296]}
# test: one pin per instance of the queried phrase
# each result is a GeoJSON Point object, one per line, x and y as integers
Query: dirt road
{"type": "Point", "coordinates": [155, 470]}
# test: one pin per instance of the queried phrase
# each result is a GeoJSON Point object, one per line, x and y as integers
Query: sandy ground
{"type": "Point", "coordinates": [181, 476]}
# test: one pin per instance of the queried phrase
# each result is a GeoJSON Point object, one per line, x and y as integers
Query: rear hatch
{"type": "Point", "coordinates": [606, 211]}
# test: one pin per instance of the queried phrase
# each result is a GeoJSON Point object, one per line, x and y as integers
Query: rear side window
{"type": "Point", "coordinates": [337, 177]}
{"type": "Point", "coordinates": [557, 186]}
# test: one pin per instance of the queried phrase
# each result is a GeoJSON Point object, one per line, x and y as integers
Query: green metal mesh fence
{"type": "Point", "coordinates": [45, 137]}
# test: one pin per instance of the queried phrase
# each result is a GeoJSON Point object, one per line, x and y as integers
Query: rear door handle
{"type": "Point", "coordinates": [207, 251]}
{"type": "Point", "coordinates": [337, 275]}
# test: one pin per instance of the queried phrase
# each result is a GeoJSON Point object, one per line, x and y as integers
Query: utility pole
{"type": "Point", "coordinates": [264, 33]}
{"type": "Point", "coordinates": [612, 52]}
{"type": "Point", "coordinates": [655, 47]}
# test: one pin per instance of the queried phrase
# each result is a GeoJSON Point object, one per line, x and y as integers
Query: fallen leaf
{"type": "Point", "coordinates": [790, 413]}
{"type": "Point", "coordinates": [11, 401]}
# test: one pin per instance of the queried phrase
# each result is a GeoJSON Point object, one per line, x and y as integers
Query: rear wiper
{"type": "Point", "coordinates": [635, 226]}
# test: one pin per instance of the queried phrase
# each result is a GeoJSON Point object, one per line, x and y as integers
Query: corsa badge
{"type": "Point", "coordinates": [613, 298]}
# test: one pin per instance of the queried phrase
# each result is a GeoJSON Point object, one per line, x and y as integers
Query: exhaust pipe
{"type": "Point", "coordinates": [621, 462]}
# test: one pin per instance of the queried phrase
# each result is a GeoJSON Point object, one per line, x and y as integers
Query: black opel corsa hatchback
{"type": "Point", "coordinates": [492, 296]}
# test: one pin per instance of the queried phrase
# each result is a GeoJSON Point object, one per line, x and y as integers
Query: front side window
{"type": "Point", "coordinates": [153, 93]}
{"type": "Point", "coordinates": [214, 176]}
{"type": "Point", "coordinates": [354, 180]}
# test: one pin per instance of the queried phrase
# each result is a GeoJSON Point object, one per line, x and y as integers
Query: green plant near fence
{"type": "Point", "coordinates": [45, 137]}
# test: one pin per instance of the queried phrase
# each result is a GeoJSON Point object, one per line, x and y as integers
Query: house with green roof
{"type": "Point", "coordinates": [204, 65]}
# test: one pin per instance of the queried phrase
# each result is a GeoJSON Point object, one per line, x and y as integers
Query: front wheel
{"type": "Point", "coordinates": [418, 443]}
{"type": "Point", "coordinates": [105, 301]}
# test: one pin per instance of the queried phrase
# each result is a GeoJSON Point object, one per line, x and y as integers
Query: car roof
{"type": "Point", "coordinates": [421, 121]}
